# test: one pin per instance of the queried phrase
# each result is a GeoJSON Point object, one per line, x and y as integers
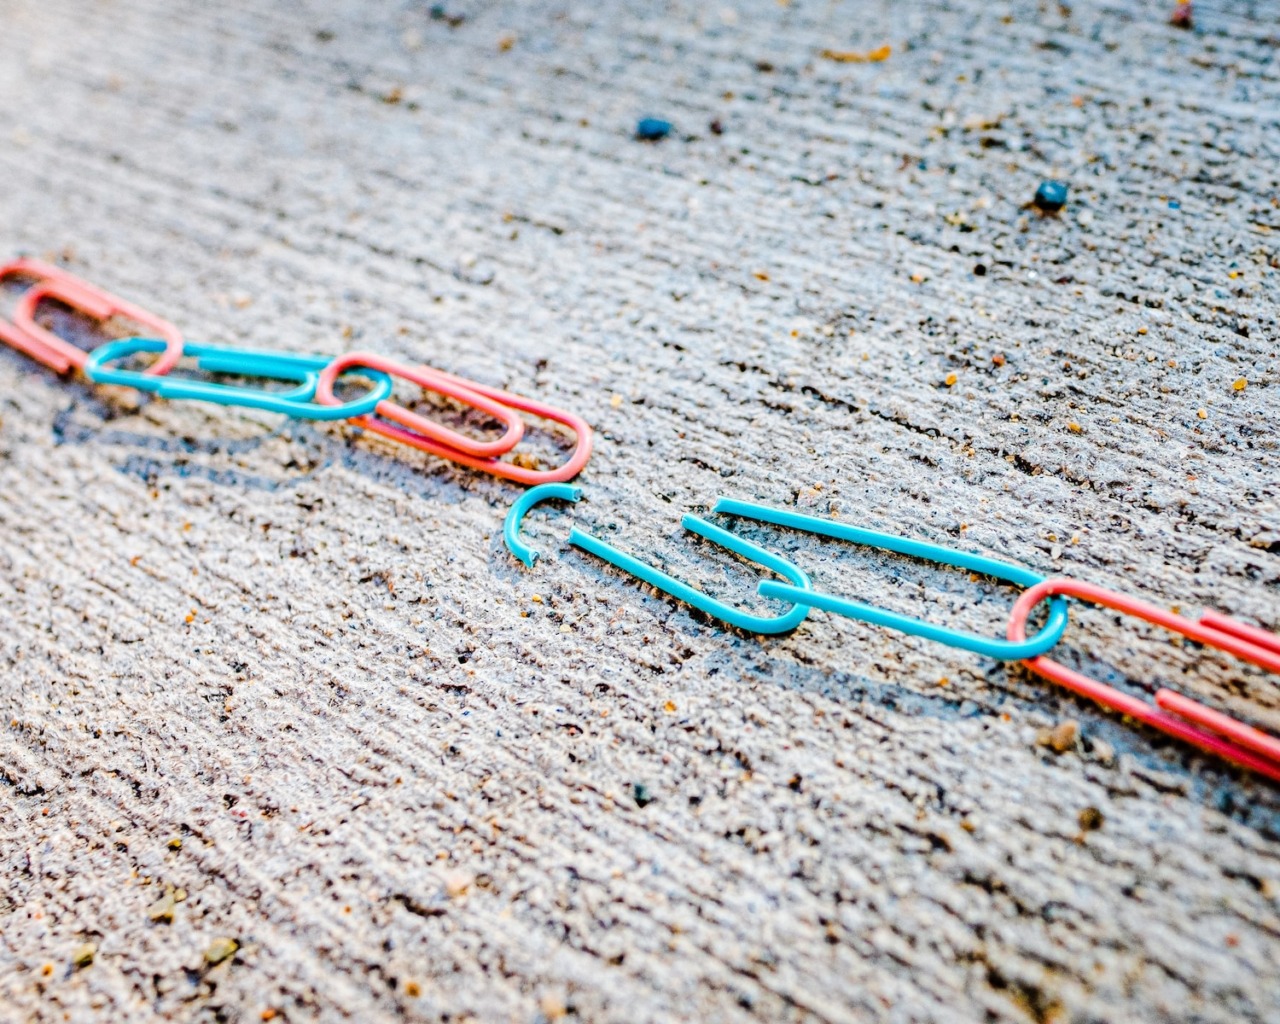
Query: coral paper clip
{"type": "Point", "coordinates": [1005, 650]}
{"type": "Point", "coordinates": [1172, 713]}
{"type": "Point", "coordinates": [59, 355]}
{"type": "Point", "coordinates": [473, 393]}
{"type": "Point", "coordinates": [297, 402]}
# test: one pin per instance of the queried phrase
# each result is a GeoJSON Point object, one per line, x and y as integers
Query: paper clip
{"type": "Point", "coordinates": [474, 392]}
{"type": "Point", "coordinates": [297, 402]}
{"type": "Point", "coordinates": [520, 508]}
{"type": "Point", "coordinates": [1003, 650]}
{"type": "Point", "coordinates": [413, 429]}
{"type": "Point", "coordinates": [60, 355]}
{"type": "Point", "coordinates": [669, 584]}
{"type": "Point", "coordinates": [1172, 713]}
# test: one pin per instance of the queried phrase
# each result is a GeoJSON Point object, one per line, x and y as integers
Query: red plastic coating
{"type": "Point", "coordinates": [59, 355]}
{"type": "Point", "coordinates": [412, 427]}
{"type": "Point", "coordinates": [496, 467]}
{"type": "Point", "coordinates": [1173, 714]}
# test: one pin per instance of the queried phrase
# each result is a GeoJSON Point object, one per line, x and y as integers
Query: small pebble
{"type": "Point", "coordinates": [1061, 738]}
{"type": "Point", "coordinates": [1240, 384]}
{"type": "Point", "coordinates": [980, 270]}
{"type": "Point", "coordinates": [1051, 196]}
{"type": "Point", "coordinates": [651, 129]}
{"type": "Point", "coordinates": [162, 909]}
{"type": "Point", "coordinates": [1182, 17]}
{"type": "Point", "coordinates": [456, 883]}
{"type": "Point", "coordinates": [553, 1006]}
{"type": "Point", "coordinates": [219, 950]}
{"type": "Point", "coordinates": [641, 794]}
{"type": "Point", "coordinates": [1091, 819]}
{"type": "Point", "coordinates": [83, 955]}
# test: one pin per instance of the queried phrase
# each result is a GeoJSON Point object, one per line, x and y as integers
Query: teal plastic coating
{"type": "Point", "coordinates": [1003, 650]}
{"type": "Point", "coordinates": [671, 585]}
{"type": "Point", "coordinates": [297, 402]}
{"type": "Point", "coordinates": [526, 501]}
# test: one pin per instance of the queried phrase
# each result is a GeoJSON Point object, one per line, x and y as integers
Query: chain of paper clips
{"type": "Point", "coordinates": [313, 397]}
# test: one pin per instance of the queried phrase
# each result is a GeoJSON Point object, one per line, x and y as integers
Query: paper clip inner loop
{"type": "Point", "coordinates": [1004, 650]}
{"type": "Point", "coordinates": [506, 470]}
{"type": "Point", "coordinates": [413, 428]}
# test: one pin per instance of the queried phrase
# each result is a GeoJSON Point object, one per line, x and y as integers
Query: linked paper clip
{"type": "Point", "coordinates": [53, 283]}
{"type": "Point", "coordinates": [1171, 713]}
{"type": "Point", "coordinates": [297, 402]}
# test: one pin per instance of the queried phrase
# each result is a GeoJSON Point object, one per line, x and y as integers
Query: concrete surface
{"type": "Point", "coordinates": [290, 674]}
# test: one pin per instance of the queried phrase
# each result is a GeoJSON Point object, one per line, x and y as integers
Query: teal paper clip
{"type": "Point", "coordinates": [1003, 650]}
{"type": "Point", "coordinates": [656, 578]}
{"type": "Point", "coordinates": [526, 501]}
{"type": "Point", "coordinates": [297, 402]}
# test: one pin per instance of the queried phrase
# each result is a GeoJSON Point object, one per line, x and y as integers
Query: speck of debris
{"type": "Point", "coordinates": [83, 955]}
{"type": "Point", "coordinates": [175, 843]}
{"type": "Point", "coordinates": [440, 12]}
{"type": "Point", "coordinates": [980, 270]}
{"type": "Point", "coordinates": [1051, 196]}
{"type": "Point", "coordinates": [764, 65]}
{"type": "Point", "coordinates": [456, 883]}
{"type": "Point", "coordinates": [161, 911]}
{"type": "Point", "coordinates": [1091, 819]}
{"type": "Point", "coordinates": [857, 57]}
{"type": "Point", "coordinates": [1061, 738]}
{"type": "Point", "coordinates": [716, 127]}
{"type": "Point", "coordinates": [1182, 17]}
{"type": "Point", "coordinates": [219, 950]}
{"type": "Point", "coordinates": [506, 42]}
{"type": "Point", "coordinates": [1239, 384]}
{"type": "Point", "coordinates": [412, 989]}
{"type": "Point", "coordinates": [652, 129]}
{"type": "Point", "coordinates": [553, 1006]}
{"type": "Point", "coordinates": [641, 794]}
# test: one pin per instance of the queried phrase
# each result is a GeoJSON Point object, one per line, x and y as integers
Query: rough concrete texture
{"type": "Point", "coordinates": [281, 686]}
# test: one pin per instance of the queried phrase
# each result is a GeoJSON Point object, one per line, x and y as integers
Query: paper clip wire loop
{"type": "Point", "coordinates": [494, 466]}
{"type": "Point", "coordinates": [413, 429]}
{"type": "Point", "coordinates": [1003, 650]}
{"type": "Point", "coordinates": [1172, 713]}
{"type": "Point", "coordinates": [521, 507]}
{"type": "Point", "coordinates": [297, 402]}
{"type": "Point", "coordinates": [60, 355]}
{"type": "Point", "coordinates": [669, 584]}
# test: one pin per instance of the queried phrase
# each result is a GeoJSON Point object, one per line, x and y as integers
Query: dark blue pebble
{"type": "Point", "coordinates": [651, 129]}
{"type": "Point", "coordinates": [1051, 196]}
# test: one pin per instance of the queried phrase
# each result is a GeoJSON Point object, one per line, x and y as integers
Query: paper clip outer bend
{"type": "Point", "coordinates": [297, 402]}
{"type": "Point", "coordinates": [520, 508]}
{"type": "Point", "coordinates": [60, 355]}
{"type": "Point", "coordinates": [44, 272]}
{"type": "Point", "coordinates": [1002, 650]}
{"type": "Point", "coordinates": [1172, 713]}
{"type": "Point", "coordinates": [669, 584]}
{"type": "Point", "coordinates": [418, 431]}
{"type": "Point", "coordinates": [494, 466]}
